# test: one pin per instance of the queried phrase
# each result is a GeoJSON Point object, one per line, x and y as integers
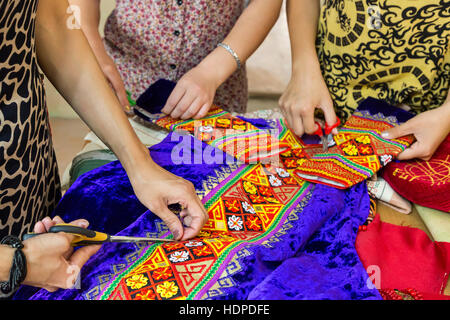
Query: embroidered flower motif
{"type": "Point", "coordinates": [250, 187]}
{"type": "Point", "coordinates": [162, 273]}
{"type": "Point", "coordinates": [167, 289]}
{"type": "Point", "coordinates": [363, 139]}
{"type": "Point", "coordinates": [206, 129]}
{"type": "Point", "coordinates": [146, 295]}
{"type": "Point", "coordinates": [257, 198]}
{"type": "Point", "coordinates": [291, 163]}
{"type": "Point", "coordinates": [266, 191]}
{"type": "Point", "coordinates": [232, 205]}
{"type": "Point", "coordinates": [194, 243]}
{"type": "Point", "coordinates": [286, 154]}
{"type": "Point", "coordinates": [235, 223]}
{"type": "Point", "coordinates": [247, 207]}
{"type": "Point", "coordinates": [365, 149]}
{"type": "Point", "coordinates": [300, 161]}
{"type": "Point", "coordinates": [136, 281]}
{"type": "Point", "coordinates": [350, 150]}
{"type": "Point", "coordinates": [282, 173]}
{"type": "Point", "coordinates": [202, 251]}
{"type": "Point", "coordinates": [253, 223]}
{"type": "Point", "coordinates": [299, 153]}
{"type": "Point", "coordinates": [274, 181]}
{"type": "Point", "coordinates": [179, 256]}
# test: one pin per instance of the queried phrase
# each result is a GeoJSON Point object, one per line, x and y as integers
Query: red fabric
{"type": "Point", "coordinates": [406, 258]}
{"type": "Point", "coordinates": [426, 183]}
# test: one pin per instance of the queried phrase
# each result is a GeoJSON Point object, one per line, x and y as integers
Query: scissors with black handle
{"type": "Point", "coordinates": [86, 237]}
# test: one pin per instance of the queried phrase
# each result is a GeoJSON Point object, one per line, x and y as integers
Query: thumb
{"type": "Point", "coordinates": [77, 261]}
{"type": "Point", "coordinates": [82, 255]}
{"type": "Point", "coordinates": [416, 150]}
{"type": "Point", "coordinates": [398, 131]}
{"type": "Point", "coordinates": [170, 219]}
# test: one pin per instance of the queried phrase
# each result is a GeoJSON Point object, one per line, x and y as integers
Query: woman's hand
{"type": "Point", "coordinates": [51, 261]}
{"type": "Point", "coordinates": [429, 128]}
{"type": "Point", "coordinates": [305, 92]}
{"type": "Point", "coordinates": [193, 95]}
{"type": "Point", "coordinates": [157, 188]}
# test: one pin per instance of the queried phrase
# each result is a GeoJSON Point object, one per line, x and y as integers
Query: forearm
{"type": "Point", "coordinates": [90, 19]}
{"type": "Point", "coordinates": [246, 36]}
{"type": "Point", "coordinates": [67, 60]}
{"type": "Point", "coordinates": [303, 17]}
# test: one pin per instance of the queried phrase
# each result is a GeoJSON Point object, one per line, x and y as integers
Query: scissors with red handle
{"type": "Point", "coordinates": [324, 134]}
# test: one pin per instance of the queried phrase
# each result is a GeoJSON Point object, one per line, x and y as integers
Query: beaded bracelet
{"type": "Point", "coordinates": [18, 271]}
{"type": "Point", "coordinates": [231, 51]}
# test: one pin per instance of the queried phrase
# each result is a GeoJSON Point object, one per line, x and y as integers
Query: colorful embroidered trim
{"type": "Point", "coordinates": [358, 151]}
{"type": "Point", "coordinates": [355, 154]}
{"type": "Point", "coordinates": [230, 134]}
{"type": "Point", "coordinates": [247, 208]}
{"type": "Point", "coordinates": [218, 128]}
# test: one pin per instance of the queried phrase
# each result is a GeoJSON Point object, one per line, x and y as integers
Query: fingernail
{"type": "Point", "coordinates": [385, 135]}
{"type": "Point", "coordinates": [176, 234]}
{"type": "Point", "coordinates": [84, 224]}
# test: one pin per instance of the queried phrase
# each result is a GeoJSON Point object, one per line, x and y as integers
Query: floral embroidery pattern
{"type": "Point", "coordinates": [194, 243]}
{"type": "Point", "coordinates": [202, 251]}
{"type": "Point", "coordinates": [253, 223]}
{"type": "Point", "coordinates": [179, 256]}
{"type": "Point", "coordinates": [137, 281]}
{"type": "Point", "coordinates": [145, 295]}
{"type": "Point", "coordinates": [232, 205]}
{"type": "Point", "coordinates": [167, 290]}
{"type": "Point", "coordinates": [235, 223]}
{"type": "Point", "coordinates": [350, 150]}
{"type": "Point", "coordinates": [249, 187]}
{"type": "Point", "coordinates": [162, 273]}
{"type": "Point", "coordinates": [247, 207]}
{"type": "Point", "coordinates": [274, 181]}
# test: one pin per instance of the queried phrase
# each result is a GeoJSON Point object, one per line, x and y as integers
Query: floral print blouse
{"type": "Point", "coordinates": [154, 39]}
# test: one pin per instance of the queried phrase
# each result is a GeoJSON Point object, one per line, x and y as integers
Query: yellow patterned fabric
{"type": "Point", "coordinates": [394, 50]}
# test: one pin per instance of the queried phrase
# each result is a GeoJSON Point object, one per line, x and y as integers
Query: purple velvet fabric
{"type": "Point", "coordinates": [327, 266]}
{"type": "Point", "coordinates": [314, 258]}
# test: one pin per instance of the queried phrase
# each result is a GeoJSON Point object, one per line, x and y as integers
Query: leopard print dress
{"type": "Point", "coordinates": [29, 181]}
